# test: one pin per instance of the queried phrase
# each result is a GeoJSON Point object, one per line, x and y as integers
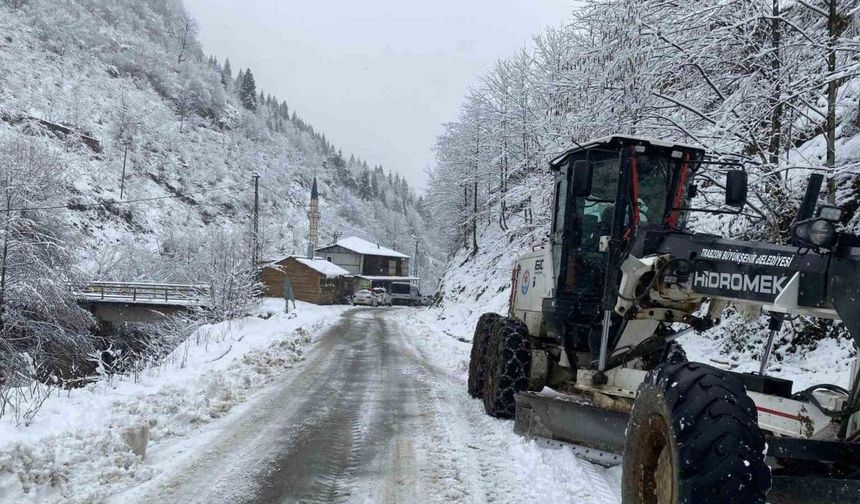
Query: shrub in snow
{"type": "Point", "coordinates": [44, 334]}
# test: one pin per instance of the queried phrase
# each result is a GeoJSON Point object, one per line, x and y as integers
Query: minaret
{"type": "Point", "coordinates": [314, 220]}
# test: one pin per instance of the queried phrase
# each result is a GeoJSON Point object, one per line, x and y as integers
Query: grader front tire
{"type": "Point", "coordinates": [693, 438]}
{"type": "Point", "coordinates": [507, 367]}
{"type": "Point", "coordinates": [477, 358]}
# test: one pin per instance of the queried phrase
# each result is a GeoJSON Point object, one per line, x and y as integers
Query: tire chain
{"type": "Point", "coordinates": [477, 359]}
{"type": "Point", "coordinates": [507, 367]}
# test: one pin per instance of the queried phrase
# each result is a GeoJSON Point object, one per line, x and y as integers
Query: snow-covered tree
{"type": "Point", "coordinates": [248, 91]}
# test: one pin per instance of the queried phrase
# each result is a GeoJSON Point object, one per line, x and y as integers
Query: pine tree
{"type": "Point", "coordinates": [375, 185]}
{"type": "Point", "coordinates": [227, 75]}
{"type": "Point", "coordinates": [248, 91]}
{"type": "Point", "coordinates": [239, 77]}
{"type": "Point", "coordinates": [364, 185]}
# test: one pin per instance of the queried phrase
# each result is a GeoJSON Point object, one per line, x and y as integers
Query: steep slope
{"type": "Point", "coordinates": [121, 93]}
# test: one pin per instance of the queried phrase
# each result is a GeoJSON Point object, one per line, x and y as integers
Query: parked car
{"type": "Point", "coordinates": [383, 295]}
{"type": "Point", "coordinates": [365, 297]}
{"type": "Point", "coordinates": [405, 293]}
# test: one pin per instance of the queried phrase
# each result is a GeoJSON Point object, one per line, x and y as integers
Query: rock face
{"type": "Point", "coordinates": [137, 438]}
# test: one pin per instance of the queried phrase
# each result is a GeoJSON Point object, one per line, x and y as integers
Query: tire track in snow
{"type": "Point", "coordinates": [507, 468]}
{"type": "Point", "coordinates": [474, 455]}
{"type": "Point", "coordinates": [333, 442]}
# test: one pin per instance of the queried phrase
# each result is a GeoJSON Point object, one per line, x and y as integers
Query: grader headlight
{"type": "Point", "coordinates": [822, 233]}
{"type": "Point", "coordinates": [819, 233]}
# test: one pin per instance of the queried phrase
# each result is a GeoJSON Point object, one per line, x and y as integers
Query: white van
{"type": "Point", "coordinates": [404, 293]}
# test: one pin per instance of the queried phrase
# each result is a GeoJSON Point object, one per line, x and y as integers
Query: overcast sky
{"type": "Point", "coordinates": [378, 77]}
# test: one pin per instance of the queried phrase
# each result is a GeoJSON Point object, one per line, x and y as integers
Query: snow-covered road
{"type": "Point", "coordinates": [377, 412]}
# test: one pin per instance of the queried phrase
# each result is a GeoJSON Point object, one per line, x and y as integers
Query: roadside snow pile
{"type": "Point", "coordinates": [79, 448]}
{"type": "Point", "coordinates": [518, 470]}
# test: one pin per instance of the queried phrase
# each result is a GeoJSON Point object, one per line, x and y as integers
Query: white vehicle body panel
{"type": "Point", "coordinates": [533, 283]}
{"type": "Point", "coordinates": [784, 417]}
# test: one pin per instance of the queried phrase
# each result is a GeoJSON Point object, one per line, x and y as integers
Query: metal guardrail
{"type": "Point", "coordinates": [143, 292]}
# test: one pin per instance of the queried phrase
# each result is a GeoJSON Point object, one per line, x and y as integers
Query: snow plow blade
{"type": "Point", "coordinates": [564, 419]}
{"type": "Point", "coordinates": [805, 490]}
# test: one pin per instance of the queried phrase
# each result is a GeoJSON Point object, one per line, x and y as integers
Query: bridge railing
{"type": "Point", "coordinates": [143, 292]}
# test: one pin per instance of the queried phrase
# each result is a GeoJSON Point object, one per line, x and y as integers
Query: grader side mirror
{"type": "Point", "coordinates": [580, 178]}
{"type": "Point", "coordinates": [736, 188]}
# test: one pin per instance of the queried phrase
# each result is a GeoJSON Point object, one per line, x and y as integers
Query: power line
{"type": "Point", "coordinates": [85, 206]}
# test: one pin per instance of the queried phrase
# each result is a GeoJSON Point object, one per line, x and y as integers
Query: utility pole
{"type": "Point", "coordinates": [122, 180]}
{"type": "Point", "coordinates": [256, 238]}
{"type": "Point", "coordinates": [415, 259]}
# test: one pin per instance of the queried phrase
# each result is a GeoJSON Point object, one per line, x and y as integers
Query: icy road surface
{"type": "Point", "coordinates": [376, 413]}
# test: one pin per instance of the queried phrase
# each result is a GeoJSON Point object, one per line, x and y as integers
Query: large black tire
{"type": "Point", "coordinates": [693, 438]}
{"type": "Point", "coordinates": [508, 362]}
{"type": "Point", "coordinates": [477, 358]}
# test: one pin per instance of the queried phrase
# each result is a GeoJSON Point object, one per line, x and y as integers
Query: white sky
{"type": "Point", "coordinates": [378, 77]}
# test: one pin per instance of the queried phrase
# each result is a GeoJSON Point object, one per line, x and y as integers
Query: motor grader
{"type": "Point", "coordinates": [588, 354]}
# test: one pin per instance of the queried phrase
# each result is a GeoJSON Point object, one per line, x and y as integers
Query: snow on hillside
{"type": "Point", "coordinates": [475, 284]}
{"type": "Point", "coordinates": [75, 450]}
{"type": "Point", "coordinates": [124, 74]}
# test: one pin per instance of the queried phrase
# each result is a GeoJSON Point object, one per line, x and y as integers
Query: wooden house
{"type": "Point", "coordinates": [361, 257]}
{"type": "Point", "coordinates": [314, 280]}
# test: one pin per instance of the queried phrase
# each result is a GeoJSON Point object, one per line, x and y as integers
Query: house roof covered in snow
{"type": "Point", "coordinates": [327, 268]}
{"type": "Point", "coordinates": [365, 247]}
{"type": "Point", "coordinates": [318, 264]}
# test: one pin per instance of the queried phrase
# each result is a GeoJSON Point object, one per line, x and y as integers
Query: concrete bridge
{"type": "Point", "coordinates": [139, 301]}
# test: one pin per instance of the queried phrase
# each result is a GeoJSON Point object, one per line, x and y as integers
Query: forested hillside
{"type": "Point", "coordinates": [771, 83]}
{"type": "Point", "coordinates": [127, 152]}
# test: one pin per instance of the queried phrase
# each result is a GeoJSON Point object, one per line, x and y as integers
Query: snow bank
{"type": "Point", "coordinates": [480, 283]}
{"type": "Point", "coordinates": [520, 470]}
{"type": "Point", "coordinates": [74, 450]}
